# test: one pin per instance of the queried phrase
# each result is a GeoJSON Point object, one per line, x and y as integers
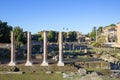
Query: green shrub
{"type": "Point", "coordinates": [96, 44]}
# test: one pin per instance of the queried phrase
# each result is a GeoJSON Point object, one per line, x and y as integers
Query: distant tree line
{"type": "Point", "coordinates": [21, 36]}
{"type": "Point", "coordinates": [5, 30]}
{"type": "Point", "coordinates": [53, 36]}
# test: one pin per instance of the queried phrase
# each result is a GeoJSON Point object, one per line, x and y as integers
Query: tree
{"type": "Point", "coordinates": [64, 36]}
{"type": "Point", "coordinates": [5, 32]}
{"type": "Point", "coordinates": [100, 29]}
{"type": "Point", "coordinates": [20, 36]}
{"type": "Point", "coordinates": [72, 36]}
{"type": "Point", "coordinates": [100, 41]}
{"type": "Point", "coordinates": [37, 37]}
{"type": "Point", "coordinates": [112, 25]}
{"type": "Point", "coordinates": [40, 38]}
{"type": "Point", "coordinates": [52, 36]}
{"type": "Point", "coordinates": [93, 33]}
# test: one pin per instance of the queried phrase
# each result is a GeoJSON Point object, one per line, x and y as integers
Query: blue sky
{"type": "Point", "coordinates": [77, 15]}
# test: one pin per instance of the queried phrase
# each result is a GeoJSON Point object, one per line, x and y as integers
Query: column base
{"type": "Point", "coordinates": [12, 63]}
{"type": "Point", "coordinates": [44, 63]}
{"type": "Point", "coordinates": [28, 63]}
{"type": "Point", "coordinates": [60, 63]}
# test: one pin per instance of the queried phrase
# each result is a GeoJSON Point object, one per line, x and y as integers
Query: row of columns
{"type": "Point", "coordinates": [29, 62]}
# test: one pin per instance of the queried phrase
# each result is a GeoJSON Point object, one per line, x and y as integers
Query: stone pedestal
{"type": "Point", "coordinates": [12, 62]}
{"type": "Point", "coordinates": [45, 63]}
{"type": "Point", "coordinates": [28, 62]}
{"type": "Point", "coordinates": [60, 62]}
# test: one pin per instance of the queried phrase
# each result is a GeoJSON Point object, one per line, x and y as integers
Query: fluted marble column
{"type": "Point", "coordinates": [45, 63]}
{"type": "Point", "coordinates": [60, 62]}
{"type": "Point", "coordinates": [12, 62]}
{"type": "Point", "coordinates": [28, 62]}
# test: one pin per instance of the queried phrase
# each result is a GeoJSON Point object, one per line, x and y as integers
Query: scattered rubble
{"type": "Point", "coordinates": [82, 71]}
{"type": "Point", "coordinates": [92, 76]}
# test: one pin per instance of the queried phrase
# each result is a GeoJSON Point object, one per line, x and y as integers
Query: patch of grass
{"type": "Point", "coordinates": [36, 72]}
{"type": "Point", "coordinates": [38, 68]}
{"type": "Point", "coordinates": [31, 76]}
{"type": "Point", "coordinates": [103, 71]}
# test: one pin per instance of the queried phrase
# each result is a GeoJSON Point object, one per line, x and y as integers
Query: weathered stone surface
{"type": "Point", "coordinates": [92, 76]}
{"type": "Point", "coordinates": [70, 75]}
{"type": "Point", "coordinates": [82, 71]}
{"type": "Point", "coordinates": [49, 72]}
{"type": "Point", "coordinates": [15, 69]}
{"type": "Point", "coordinates": [65, 75]}
{"type": "Point", "coordinates": [109, 58]}
{"type": "Point", "coordinates": [58, 72]}
{"type": "Point", "coordinates": [115, 75]}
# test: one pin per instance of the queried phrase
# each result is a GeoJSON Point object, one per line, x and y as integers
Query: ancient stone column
{"type": "Point", "coordinates": [85, 51]}
{"type": "Point", "coordinates": [118, 33]}
{"type": "Point", "coordinates": [60, 62]}
{"type": "Point", "coordinates": [28, 62]}
{"type": "Point", "coordinates": [12, 62]}
{"type": "Point", "coordinates": [45, 63]}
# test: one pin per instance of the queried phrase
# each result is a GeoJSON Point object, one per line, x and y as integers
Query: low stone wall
{"type": "Point", "coordinates": [94, 64]}
{"type": "Point", "coordinates": [11, 72]}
